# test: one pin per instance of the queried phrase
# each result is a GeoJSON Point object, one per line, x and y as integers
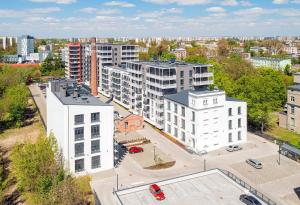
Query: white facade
{"type": "Point", "coordinates": [25, 45]}
{"type": "Point", "coordinates": [86, 144]}
{"type": "Point", "coordinates": [205, 120]}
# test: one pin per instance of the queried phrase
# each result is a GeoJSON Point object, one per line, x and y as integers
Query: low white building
{"type": "Point", "coordinates": [205, 120]}
{"type": "Point", "coordinates": [83, 127]}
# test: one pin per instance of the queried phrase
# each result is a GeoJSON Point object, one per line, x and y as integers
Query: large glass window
{"type": "Point", "coordinates": [183, 136]}
{"type": "Point", "coordinates": [95, 131]}
{"type": "Point", "coordinates": [96, 162]}
{"type": "Point", "coordinates": [79, 165]}
{"type": "Point", "coordinates": [239, 123]}
{"type": "Point", "coordinates": [193, 129]}
{"type": "Point", "coordinates": [239, 110]}
{"type": "Point", "coordinates": [183, 111]}
{"type": "Point", "coordinates": [229, 111]}
{"type": "Point", "coordinates": [169, 117]}
{"type": "Point", "coordinates": [79, 119]}
{"type": "Point", "coordinates": [95, 146]}
{"type": "Point", "coordinates": [169, 105]}
{"type": "Point", "coordinates": [181, 74]}
{"type": "Point", "coordinates": [182, 123]}
{"type": "Point", "coordinates": [79, 133]}
{"type": "Point", "coordinates": [175, 132]}
{"type": "Point", "coordinates": [95, 117]}
{"type": "Point", "coordinates": [292, 109]}
{"type": "Point", "coordinates": [230, 124]}
{"type": "Point", "coordinates": [239, 135]}
{"type": "Point", "coordinates": [175, 108]}
{"type": "Point", "coordinates": [175, 120]}
{"type": "Point", "coordinates": [230, 137]}
{"type": "Point", "coordinates": [193, 116]}
{"type": "Point", "coordinates": [79, 149]}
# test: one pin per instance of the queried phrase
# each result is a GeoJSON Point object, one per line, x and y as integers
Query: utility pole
{"type": "Point", "coordinates": [279, 148]}
{"type": "Point", "coordinates": [204, 165]}
{"type": "Point", "coordinates": [117, 182]}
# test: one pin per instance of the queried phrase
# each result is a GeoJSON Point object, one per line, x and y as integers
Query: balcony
{"type": "Point", "coordinates": [172, 77]}
{"type": "Point", "coordinates": [200, 83]}
{"type": "Point", "coordinates": [203, 75]}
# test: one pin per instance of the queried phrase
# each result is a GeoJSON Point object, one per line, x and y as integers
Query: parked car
{"type": "Point", "coordinates": [157, 192]}
{"type": "Point", "coordinates": [297, 191]}
{"type": "Point", "coordinates": [134, 150]}
{"type": "Point", "coordinates": [202, 152]}
{"type": "Point", "coordinates": [232, 148]}
{"type": "Point", "coordinates": [249, 200]}
{"type": "Point", "coordinates": [255, 163]}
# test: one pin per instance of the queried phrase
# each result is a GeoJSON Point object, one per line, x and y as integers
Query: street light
{"type": "Point", "coordinates": [279, 148]}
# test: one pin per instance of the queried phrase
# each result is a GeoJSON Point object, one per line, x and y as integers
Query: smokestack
{"type": "Point", "coordinates": [93, 81]}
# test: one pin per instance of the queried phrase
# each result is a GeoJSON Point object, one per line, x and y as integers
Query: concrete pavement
{"type": "Point", "coordinates": [40, 100]}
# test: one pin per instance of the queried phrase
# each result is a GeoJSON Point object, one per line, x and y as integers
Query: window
{"type": "Point", "coordinates": [292, 121]}
{"type": "Point", "coordinates": [183, 111]}
{"type": "Point", "coordinates": [292, 109]}
{"type": "Point", "coordinates": [95, 117]}
{"type": "Point", "coordinates": [79, 119]}
{"type": "Point", "coordinates": [239, 123]}
{"type": "Point", "coordinates": [181, 82]}
{"type": "Point", "coordinates": [191, 81]}
{"type": "Point", "coordinates": [79, 149]}
{"type": "Point", "coordinates": [79, 133]}
{"type": "Point", "coordinates": [230, 137]}
{"type": "Point", "coordinates": [95, 131]}
{"type": "Point", "coordinates": [191, 73]}
{"type": "Point", "coordinates": [293, 98]}
{"type": "Point", "coordinates": [229, 111]}
{"type": "Point", "coordinates": [169, 105]}
{"type": "Point", "coordinates": [193, 129]}
{"type": "Point", "coordinates": [175, 108]}
{"type": "Point", "coordinates": [181, 74]}
{"type": "Point", "coordinates": [95, 146]}
{"type": "Point", "coordinates": [183, 136]}
{"type": "Point", "coordinates": [169, 128]}
{"type": "Point", "coordinates": [175, 132]}
{"type": "Point", "coordinates": [175, 120]}
{"type": "Point", "coordinates": [230, 124]}
{"type": "Point", "coordinates": [169, 117]}
{"type": "Point", "coordinates": [239, 110]}
{"type": "Point", "coordinates": [182, 123]}
{"type": "Point", "coordinates": [79, 165]}
{"type": "Point", "coordinates": [215, 100]}
{"type": "Point", "coordinates": [239, 135]}
{"type": "Point", "coordinates": [193, 116]}
{"type": "Point", "coordinates": [193, 102]}
{"type": "Point", "coordinates": [95, 162]}
{"type": "Point", "coordinates": [205, 102]}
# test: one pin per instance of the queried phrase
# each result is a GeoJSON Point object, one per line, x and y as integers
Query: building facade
{"type": "Point", "coordinates": [290, 118]}
{"type": "Point", "coordinates": [25, 45]}
{"type": "Point", "coordinates": [275, 63]}
{"type": "Point", "coordinates": [180, 53]}
{"type": "Point", "coordinates": [205, 120]}
{"type": "Point", "coordinates": [6, 42]}
{"type": "Point", "coordinates": [82, 125]}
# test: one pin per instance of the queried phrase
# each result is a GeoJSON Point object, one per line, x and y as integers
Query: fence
{"type": "Point", "coordinates": [247, 186]}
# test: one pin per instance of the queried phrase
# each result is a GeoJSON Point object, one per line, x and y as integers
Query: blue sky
{"type": "Point", "coordinates": [145, 18]}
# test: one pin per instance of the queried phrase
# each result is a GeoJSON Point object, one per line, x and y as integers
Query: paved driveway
{"type": "Point", "coordinates": [39, 99]}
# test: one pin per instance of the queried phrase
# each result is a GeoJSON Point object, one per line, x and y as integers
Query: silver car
{"type": "Point", "coordinates": [255, 163]}
{"type": "Point", "coordinates": [232, 148]}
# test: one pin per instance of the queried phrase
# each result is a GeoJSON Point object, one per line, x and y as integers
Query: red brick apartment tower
{"type": "Point", "coordinates": [93, 67]}
{"type": "Point", "coordinates": [74, 64]}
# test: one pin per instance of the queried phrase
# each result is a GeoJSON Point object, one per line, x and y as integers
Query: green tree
{"type": "Point", "coordinates": [223, 48]}
{"type": "Point", "coordinates": [144, 56]}
{"type": "Point", "coordinates": [167, 56]}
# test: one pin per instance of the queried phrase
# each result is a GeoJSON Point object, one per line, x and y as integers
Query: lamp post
{"type": "Point", "coordinates": [279, 148]}
{"type": "Point", "coordinates": [117, 182]}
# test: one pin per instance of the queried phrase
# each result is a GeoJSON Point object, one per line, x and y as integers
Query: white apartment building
{"type": "Point", "coordinates": [25, 45]}
{"type": "Point", "coordinates": [205, 120]}
{"type": "Point", "coordinates": [82, 125]}
{"type": "Point", "coordinates": [141, 86]}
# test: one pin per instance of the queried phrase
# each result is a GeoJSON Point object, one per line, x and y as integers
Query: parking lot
{"type": "Point", "coordinates": [208, 188]}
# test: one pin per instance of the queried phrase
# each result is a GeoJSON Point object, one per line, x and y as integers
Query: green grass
{"type": "Point", "coordinates": [285, 135]}
{"type": "Point", "coordinates": [84, 186]}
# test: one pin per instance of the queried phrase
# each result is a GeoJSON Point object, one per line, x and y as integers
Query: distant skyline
{"type": "Point", "coordinates": [144, 18]}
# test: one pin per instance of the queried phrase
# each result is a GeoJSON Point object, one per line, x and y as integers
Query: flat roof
{"type": "Point", "coordinates": [169, 64]}
{"type": "Point", "coordinates": [182, 97]}
{"type": "Point", "coordinates": [291, 149]}
{"type": "Point", "coordinates": [270, 59]}
{"type": "Point", "coordinates": [70, 93]}
{"type": "Point", "coordinates": [294, 87]}
{"type": "Point", "coordinates": [206, 188]}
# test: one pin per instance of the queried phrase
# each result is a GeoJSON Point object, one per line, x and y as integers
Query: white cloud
{"type": "Point", "coordinates": [251, 11]}
{"type": "Point", "coordinates": [296, 1]}
{"type": "Point", "coordinates": [11, 13]}
{"type": "Point", "coordinates": [229, 3]}
{"type": "Point", "coordinates": [159, 13]}
{"type": "Point", "coordinates": [55, 1]}
{"type": "Point", "coordinates": [91, 10]}
{"type": "Point", "coordinates": [120, 4]}
{"type": "Point", "coordinates": [280, 1]}
{"type": "Point", "coordinates": [216, 9]}
{"type": "Point", "coordinates": [289, 12]}
{"type": "Point", "coordinates": [180, 2]}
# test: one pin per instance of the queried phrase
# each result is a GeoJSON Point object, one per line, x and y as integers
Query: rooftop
{"type": "Point", "coordinates": [169, 64]}
{"type": "Point", "coordinates": [211, 187]}
{"type": "Point", "coordinates": [294, 87]}
{"type": "Point", "coordinates": [183, 96]}
{"type": "Point", "coordinates": [270, 59]}
{"type": "Point", "coordinates": [69, 93]}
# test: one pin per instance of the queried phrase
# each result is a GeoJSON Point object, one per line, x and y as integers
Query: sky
{"type": "Point", "coordinates": [149, 18]}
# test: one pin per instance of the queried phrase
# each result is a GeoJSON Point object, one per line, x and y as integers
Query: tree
{"type": "Point", "coordinates": [223, 48]}
{"type": "Point", "coordinates": [167, 56]}
{"type": "Point", "coordinates": [51, 64]}
{"type": "Point", "coordinates": [144, 56]}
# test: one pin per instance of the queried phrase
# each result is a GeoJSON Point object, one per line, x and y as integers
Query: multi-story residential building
{"type": "Point", "coordinates": [180, 53]}
{"type": "Point", "coordinates": [6, 42]}
{"type": "Point", "coordinates": [290, 119]}
{"type": "Point", "coordinates": [82, 125]}
{"type": "Point", "coordinates": [107, 54]}
{"type": "Point", "coordinates": [275, 63]}
{"type": "Point", "coordinates": [73, 57]}
{"type": "Point", "coordinates": [205, 120]}
{"type": "Point", "coordinates": [25, 45]}
{"type": "Point", "coordinates": [141, 86]}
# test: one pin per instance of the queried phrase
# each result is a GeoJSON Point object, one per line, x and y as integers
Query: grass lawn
{"type": "Point", "coordinates": [285, 135]}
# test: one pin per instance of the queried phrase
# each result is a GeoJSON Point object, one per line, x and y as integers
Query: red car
{"type": "Point", "coordinates": [134, 150]}
{"type": "Point", "coordinates": [157, 192]}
